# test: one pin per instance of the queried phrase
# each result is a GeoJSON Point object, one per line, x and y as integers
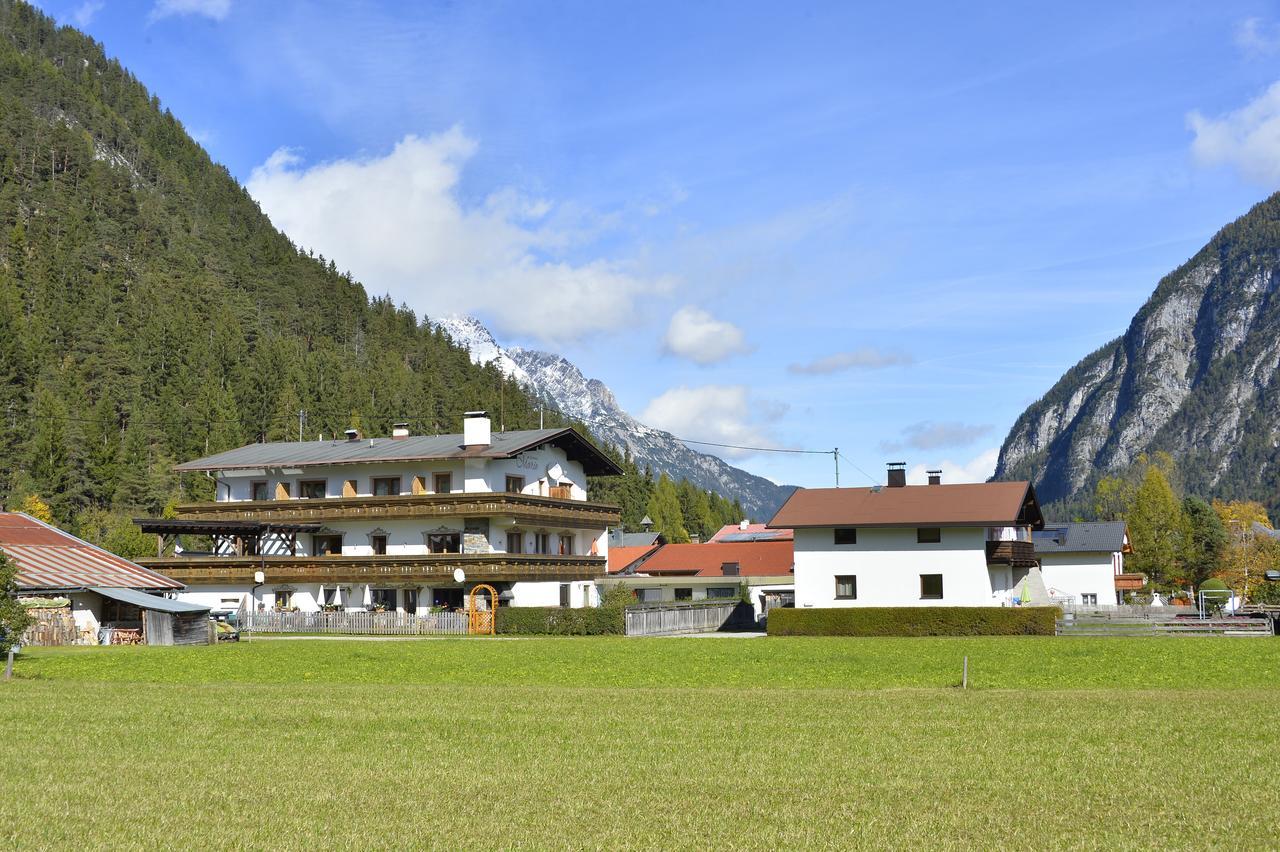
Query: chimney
{"type": "Point", "coordinates": [729, 569]}
{"type": "Point", "coordinates": [352, 434]}
{"type": "Point", "coordinates": [935, 477]}
{"type": "Point", "coordinates": [897, 474]}
{"type": "Point", "coordinates": [743, 524]}
{"type": "Point", "coordinates": [400, 431]}
{"type": "Point", "coordinates": [476, 429]}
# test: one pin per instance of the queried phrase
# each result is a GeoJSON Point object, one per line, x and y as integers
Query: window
{"type": "Point", "coordinates": [846, 535]}
{"type": "Point", "coordinates": [442, 483]}
{"type": "Point", "coordinates": [929, 535]}
{"type": "Point", "coordinates": [515, 484]}
{"type": "Point", "coordinates": [447, 598]}
{"type": "Point", "coordinates": [327, 545]}
{"type": "Point", "coordinates": [383, 599]}
{"type": "Point", "coordinates": [649, 595]}
{"type": "Point", "coordinates": [444, 543]}
{"type": "Point", "coordinates": [258, 490]}
{"type": "Point", "coordinates": [541, 543]}
{"type": "Point", "coordinates": [566, 544]}
{"type": "Point", "coordinates": [1089, 600]}
{"type": "Point", "coordinates": [684, 594]}
{"type": "Point", "coordinates": [846, 587]}
{"type": "Point", "coordinates": [284, 599]}
{"type": "Point", "coordinates": [331, 596]}
{"type": "Point", "coordinates": [722, 591]}
{"type": "Point", "coordinates": [386, 486]}
{"type": "Point", "coordinates": [564, 594]}
{"type": "Point", "coordinates": [515, 542]}
{"type": "Point", "coordinates": [930, 587]}
{"type": "Point", "coordinates": [311, 489]}
{"type": "Point", "coordinates": [379, 543]}
{"type": "Point", "coordinates": [411, 601]}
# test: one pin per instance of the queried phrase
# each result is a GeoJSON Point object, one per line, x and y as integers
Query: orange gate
{"type": "Point", "coordinates": [482, 621]}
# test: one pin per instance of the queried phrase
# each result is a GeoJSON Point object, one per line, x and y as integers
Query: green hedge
{"type": "Point", "coordinates": [915, 621]}
{"type": "Point", "coordinates": [557, 621]}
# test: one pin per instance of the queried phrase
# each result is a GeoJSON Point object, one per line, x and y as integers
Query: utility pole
{"type": "Point", "coordinates": [835, 454]}
{"type": "Point", "coordinates": [302, 419]}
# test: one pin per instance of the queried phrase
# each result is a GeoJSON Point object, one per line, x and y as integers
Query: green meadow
{"type": "Point", "coordinates": [572, 743]}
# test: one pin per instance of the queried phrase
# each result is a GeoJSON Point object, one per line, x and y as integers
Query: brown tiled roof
{"type": "Point", "coordinates": [48, 558]}
{"type": "Point", "coordinates": [621, 557]}
{"type": "Point", "coordinates": [977, 504]}
{"type": "Point", "coordinates": [754, 558]}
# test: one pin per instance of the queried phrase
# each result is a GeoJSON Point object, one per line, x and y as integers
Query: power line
{"type": "Point", "coordinates": [756, 449]}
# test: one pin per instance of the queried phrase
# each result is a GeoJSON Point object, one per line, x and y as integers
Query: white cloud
{"type": "Point", "coordinates": [85, 12]}
{"type": "Point", "coordinates": [215, 9]}
{"type": "Point", "coordinates": [932, 435]}
{"type": "Point", "coordinates": [1247, 139]}
{"type": "Point", "coordinates": [1256, 37]}
{"type": "Point", "coordinates": [698, 336]}
{"type": "Point", "coordinates": [977, 469]}
{"type": "Point", "coordinates": [722, 414]}
{"type": "Point", "coordinates": [866, 358]}
{"type": "Point", "coordinates": [398, 224]}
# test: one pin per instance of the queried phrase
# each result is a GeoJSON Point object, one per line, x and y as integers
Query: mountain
{"type": "Point", "coordinates": [563, 387]}
{"type": "Point", "coordinates": [150, 312]}
{"type": "Point", "coordinates": [1195, 375]}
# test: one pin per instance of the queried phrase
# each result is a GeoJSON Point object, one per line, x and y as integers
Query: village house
{"type": "Point", "coordinates": [914, 545]}
{"type": "Point", "coordinates": [81, 594]}
{"type": "Point", "coordinates": [1083, 563]}
{"type": "Point", "coordinates": [401, 523]}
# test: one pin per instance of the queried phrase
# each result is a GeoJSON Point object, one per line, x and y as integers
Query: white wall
{"type": "Point", "coordinates": [888, 562]}
{"type": "Point", "coordinates": [1074, 574]}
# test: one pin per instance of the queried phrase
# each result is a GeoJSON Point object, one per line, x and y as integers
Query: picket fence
{"type": "Point", "coordinates": [366, 623]}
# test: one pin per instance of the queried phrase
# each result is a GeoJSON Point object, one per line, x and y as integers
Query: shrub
{"type": "Point", "coordinates": [915, 621]}
{"type": "Point", "coordinates": [604, 620]}
{"type": "Point", "coordinates": [1265, 594]}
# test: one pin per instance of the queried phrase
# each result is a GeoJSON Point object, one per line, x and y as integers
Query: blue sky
{"type": "Point", "coordinates": [882, 227]}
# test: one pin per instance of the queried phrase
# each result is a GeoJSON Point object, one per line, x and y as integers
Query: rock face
{"type": "Point", "coordinates": [562, 386]}
{"type": "Point", "coordinates": [1194, 375]}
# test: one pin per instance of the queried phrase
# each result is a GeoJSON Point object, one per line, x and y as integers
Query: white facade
{"type": "Point", "coordinates": [1082, 577]}
{"type": "Point", "coordinates": [888, 565]}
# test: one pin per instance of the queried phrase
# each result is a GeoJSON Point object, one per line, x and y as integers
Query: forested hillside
{"type": "Point", "coordinates": [150, 312]}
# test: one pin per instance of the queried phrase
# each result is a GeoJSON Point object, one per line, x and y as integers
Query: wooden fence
{"type": "Point", "coordinates": [353, 623]}
{"type": "Point", "coordinates": [1105, 623]}
{"type": "Point", "coordinates": [675, 619]}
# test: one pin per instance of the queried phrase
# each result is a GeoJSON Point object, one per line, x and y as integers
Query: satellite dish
{"type": "Point", "coordinates": [459, 575]}
{"type": "Point", "coordinates": [555, 471]}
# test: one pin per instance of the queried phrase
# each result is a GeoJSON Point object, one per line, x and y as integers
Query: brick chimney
{"type": "Point", "coordinates": [897, 474]}
{"type": "Point", "coordinates": [935, 477]}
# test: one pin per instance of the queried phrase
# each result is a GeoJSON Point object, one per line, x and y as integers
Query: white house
{"type": "Point", "coordinates": [1080, 562]}
{"type": "Point", "coordinates": [401, 523]}
{"type": "Point", "coordinates": [914, 545]}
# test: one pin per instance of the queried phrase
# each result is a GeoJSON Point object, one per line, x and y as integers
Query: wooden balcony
{"type": "Point", "coordinates": [428, 568]}
{"type": "Point", "coordinates": [1017, 554]}
{"type": "Point", "coordinates": [525, 509]}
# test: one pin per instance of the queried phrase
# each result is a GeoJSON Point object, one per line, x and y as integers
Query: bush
{"type": "Point", "coordinates": [915, 621]}
{"type": "Point", "coordinates": [604, 620]}
{"type": "Point", "coordinates": [1265, 594]}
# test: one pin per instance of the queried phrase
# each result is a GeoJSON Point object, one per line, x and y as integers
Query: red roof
{"type": "Point", "coordinates": [48, 558]}
{"type": "Point", "coordinates": [754, 558]}
{"type": "Point", "coordinates": [621, 557]}
{"type": "Point", "coordinates": [750, 532]}
{"type": "Point", "coordinates": [985, 504]}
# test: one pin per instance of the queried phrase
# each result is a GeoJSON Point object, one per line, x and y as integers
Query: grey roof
{"type": "Point", "coordinates": [618, 538]}
{"type": "Point", "coordinates": [146, 601]}
{"type": "Point", "coordinates": [1091, 537]}
{"type": "Point", "coordinates": [1259, 529]}
{"type": "Point", "coordinates": [412, 448]}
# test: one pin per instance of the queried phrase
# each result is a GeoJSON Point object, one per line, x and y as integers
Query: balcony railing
{"type": "Point", "coordinates": [524, 508]}
{"type": "Point", "coordinates": [1018, 554]}
{"type": "Point", "coordinates": [426, 567]}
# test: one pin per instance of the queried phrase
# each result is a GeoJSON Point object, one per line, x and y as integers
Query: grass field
{"type": "Point", "coordinates": [646, 743]}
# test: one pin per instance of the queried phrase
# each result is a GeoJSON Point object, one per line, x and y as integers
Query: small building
{"type": "Point", "coordinates": [914, 545]}
{"type": "Point", "coordinates": [1082, 562]}
{"type": "Point", "coordinates": [82, 594]}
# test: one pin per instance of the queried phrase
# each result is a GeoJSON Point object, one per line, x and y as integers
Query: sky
{"type": "Point", "coordinates": [886, 228]}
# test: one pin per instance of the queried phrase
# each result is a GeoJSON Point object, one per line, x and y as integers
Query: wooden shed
{"type": "Point", "coordinates": [164, 621]}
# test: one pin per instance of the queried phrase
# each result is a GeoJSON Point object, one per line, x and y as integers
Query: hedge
{"type": "Point", "coordinates": [558, 621]}
{"type": "Point", "coordinates": [915, 621]}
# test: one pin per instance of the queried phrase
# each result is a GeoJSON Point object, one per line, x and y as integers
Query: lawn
{"type": "Point", "coordinates": [646, 743]}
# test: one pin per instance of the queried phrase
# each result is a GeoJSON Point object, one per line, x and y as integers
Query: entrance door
{"type": "Point", "coordinates": [411, 601]}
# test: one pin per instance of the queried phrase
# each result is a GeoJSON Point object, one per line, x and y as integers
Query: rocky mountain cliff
{"type": "Point", "coordinates": [563, 387]}
{"type": "Point", "coordinates": [1195, 374]}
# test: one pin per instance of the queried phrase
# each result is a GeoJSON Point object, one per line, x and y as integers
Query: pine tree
{"type": "Point", "coordinates": [1157, 528]}
{"type": "Point", "coordinates": [664, 511]}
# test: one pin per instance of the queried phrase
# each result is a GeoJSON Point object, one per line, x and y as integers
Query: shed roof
{"type": "Point", "coordinates": [750, 532]}
{"type": "Point", "coordinates": [974, 504]}
{"type": "Point", "coordinates": [1088, 537]}
{"type": "Point", "coordinates": [146, 601]}
{"type": "Point", "coordinates": [48, 558]}
{"type": "Point", "coordinates": [413, 448]}
{"type": "Point", "coordinates": [754, 559]}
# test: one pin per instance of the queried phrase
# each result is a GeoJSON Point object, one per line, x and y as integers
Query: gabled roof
{"type": "Point", "coordinates": [750, 532]}
{"type": "Point", "coordinates": [1089, 537]}
{"type": "Point", "coordinates": [621, 558]}
{"type": "Point", "coordinates": [618, 538]}
{"type": "Point", "coordinates": [413, 448]}
{"type": "Point", "coordinates": [48, 558]}
{"type": "Point", "coordinates": [984, 504]}
{"type": "Point", "coordinates": [754, 559]}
